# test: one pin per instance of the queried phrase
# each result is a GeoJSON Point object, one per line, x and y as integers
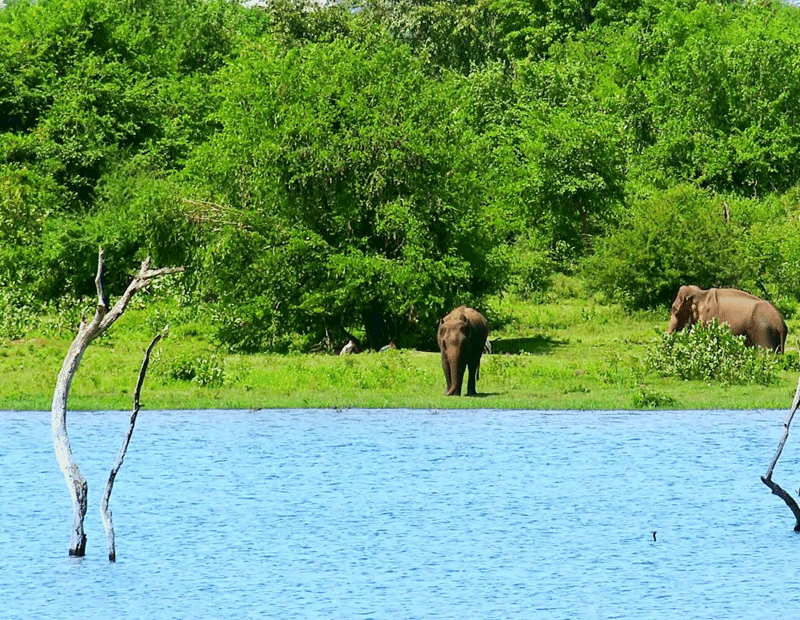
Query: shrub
{"type": "Point", "coordinates": [205, 371]}
{"type": "Point", "coordinates": [648, 398]}
{"type": "Point", "coordinates": [531, 268]}
{"type": "Point", "coordinates": [687, 236]}
{"type": "Point", "coordinates": [675, 237]}
{"type": "Point", "coordinates": [711, 353]}
{"type": "Point", "coordinates": [17, 314]}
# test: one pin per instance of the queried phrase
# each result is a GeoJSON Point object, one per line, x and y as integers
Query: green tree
{"type": "Point", "coordinates": [556, 149]}
{"type": "Point", "coordinates": [722, 91]}
{"type": "Point", "coordinates": [355, 199]}
{"type": "Point", "coordinates": [295, 22]}
{"type": "Point", "coordinates": [528, 29]}
{"type": "Point", "coordinates": [675, 237]}
{"type": "Point", "coordinates": [461, 36]}
{"type": "Point", "coordinates": [93, 93]}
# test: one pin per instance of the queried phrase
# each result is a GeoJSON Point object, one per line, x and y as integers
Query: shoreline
{"type": "Point", "coordinates": [568, 354]}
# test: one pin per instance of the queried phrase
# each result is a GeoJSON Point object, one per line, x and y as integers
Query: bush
{"type": "Point", "coordinates": [771, 249]}
{"type": "Point", "coordinates": [687, 236]}
{"type": "Point", "coordinates": [648, 398]}
{"type": "Point", "coordinates": [675, 237]}
{"type": "Point", "coordinates": [711, 353]}
{"type": "Point", "coordinates": [17, 314]}
{"type": "Point", "coordinates": [531, 269]}
{"type": "Point", "coordinates": [201, 370]}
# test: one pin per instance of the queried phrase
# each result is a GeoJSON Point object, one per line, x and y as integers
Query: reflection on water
{"type": "Point", "coordinates": [404, 514]}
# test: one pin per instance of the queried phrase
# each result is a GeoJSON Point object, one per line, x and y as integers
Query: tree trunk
{"type": "Point", "coordinates": [105, 510]}
{"type": "Point", "coordinates": [102, 320]}
{"type": "Point", "coordinates": [380, 326]}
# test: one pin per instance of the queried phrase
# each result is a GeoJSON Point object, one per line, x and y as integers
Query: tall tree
{"type": "Point", "coordinates": [99, 102]}
{"type": "Point", "coordinates": [356, 198]}
{"type": "Point", "coordinates": [722, 86]}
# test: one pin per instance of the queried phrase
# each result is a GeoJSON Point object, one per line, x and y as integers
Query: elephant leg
{"type": "Point", "coordinates": [473, 373]}
{"type": "Point", "coordinates": [454, 372]}
{"type": "Point", "coordinates": [773, 340]}
{"type": "Point", "coordinates": [457, 368]}
{"type": "Point", "coordinates": [770, 337]}
{"type": "Point", "coordinates": [760, 335]}
{"type": "Point", "coordinates": [447, 373]}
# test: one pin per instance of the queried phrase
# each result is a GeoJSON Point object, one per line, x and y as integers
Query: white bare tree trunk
{"type": "Point", "coordinates": [102, 320]}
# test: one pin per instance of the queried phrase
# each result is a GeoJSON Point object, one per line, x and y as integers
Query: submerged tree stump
{"type": "Point", "coordinates": [87, 332]}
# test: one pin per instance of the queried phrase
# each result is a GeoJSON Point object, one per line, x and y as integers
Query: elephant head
{"type": "Point", "coordinates": [684, 309]}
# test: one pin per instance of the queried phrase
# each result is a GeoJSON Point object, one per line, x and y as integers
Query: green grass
{"type": "Point", "coordinates": [568, 353]}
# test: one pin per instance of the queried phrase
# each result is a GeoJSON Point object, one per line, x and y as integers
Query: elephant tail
{"type": "Point", "coordinates": [778, 335]}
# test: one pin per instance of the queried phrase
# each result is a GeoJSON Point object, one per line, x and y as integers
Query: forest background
{"type": "Point", "coordinates": [358, 169]}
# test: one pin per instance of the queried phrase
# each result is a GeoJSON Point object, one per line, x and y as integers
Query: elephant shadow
{"type": "Point", "coordinates": [539, 345]}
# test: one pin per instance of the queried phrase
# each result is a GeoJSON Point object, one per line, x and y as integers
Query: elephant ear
{"type": "Point", "coordinates": [680, 300]}
{"type": "Point", "coordinates": [685, 305]}
{"type": "Point", "coordinates": [693, 309]}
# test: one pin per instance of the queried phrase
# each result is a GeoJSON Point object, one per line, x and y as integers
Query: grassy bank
{"type": "Point", "coordinates": [568, 353]}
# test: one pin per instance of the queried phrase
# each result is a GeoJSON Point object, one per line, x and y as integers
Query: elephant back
{"type": "Point", "coordinates": [471, 323]}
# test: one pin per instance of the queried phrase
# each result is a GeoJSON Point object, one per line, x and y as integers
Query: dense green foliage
{"type": "Point", "coordinates": [360, 169]}
{"type": "Point", "coordinates": [352, 184]}
{"type": "Point", "coordinates": [687, 235]}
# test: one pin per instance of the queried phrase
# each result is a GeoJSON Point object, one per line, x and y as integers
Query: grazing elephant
{"type": "Point", "coordinates": [462, 338]}
{"type": "Point", "coordinates": [759, 321]}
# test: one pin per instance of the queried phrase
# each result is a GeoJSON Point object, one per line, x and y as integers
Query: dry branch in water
{"type": "Point", "coordinates": [767, 479]}
{"type": "Point", "coordinates": [87, 332]}
{"type": "Point", "coordinates": [105, 510]}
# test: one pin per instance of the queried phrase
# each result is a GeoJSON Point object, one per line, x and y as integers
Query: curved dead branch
{"type": "Point", "coordinates": [767, 478]}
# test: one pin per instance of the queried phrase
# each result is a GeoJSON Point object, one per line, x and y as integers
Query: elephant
{"type": "Point", "coordinates": [759, 321]}
{"type": "Point", "coordinates": [462, 337]}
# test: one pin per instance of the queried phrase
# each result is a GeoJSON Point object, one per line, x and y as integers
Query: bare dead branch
{"type": "Point", "coordinates": [105, 510]}
{"type": "Point", "coordinates": [140, 281]}
{"type": "Point", "coordinates": [69, 466]}
{"type": "Point", "coordinates": [767, 478]}
{"type": "Point", "coordinates": [87, 331]}
{"type": "Point", "coordinates": [790, 502]}
{"type": "Point", "coordinates": [785, 436]}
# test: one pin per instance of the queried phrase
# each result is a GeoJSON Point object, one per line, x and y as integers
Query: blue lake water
{"type": "Point", "coordinates": [398, 514]}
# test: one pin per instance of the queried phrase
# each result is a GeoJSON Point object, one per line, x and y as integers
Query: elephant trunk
{"type": "Point", "coordinates": [456, 376]}
{"type": "Point", "coordinates": [674, 324]}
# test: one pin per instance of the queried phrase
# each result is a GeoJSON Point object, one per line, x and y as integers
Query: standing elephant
{"type": "Point", "coordinates": [462, 337]}
{"type": "Point", "coordinates": [758, 320]}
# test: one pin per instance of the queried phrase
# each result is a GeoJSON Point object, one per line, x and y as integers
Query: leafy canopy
{"type": "Point", "coordinates": [350, 177]}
